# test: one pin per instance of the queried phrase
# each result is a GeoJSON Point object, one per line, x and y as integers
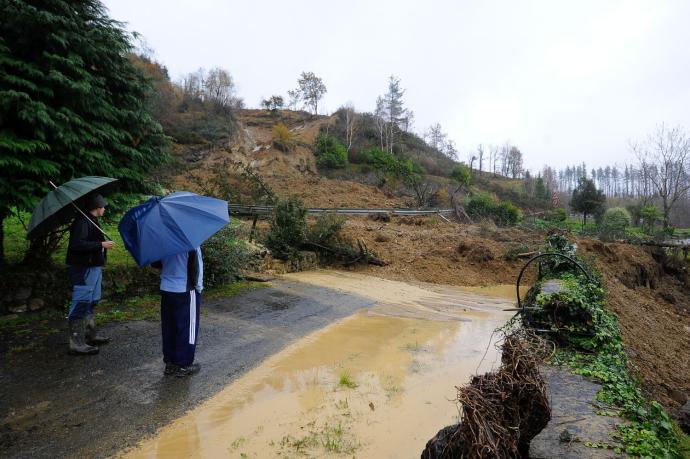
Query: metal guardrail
{"type": "Point", "coordinates": [254, 210]}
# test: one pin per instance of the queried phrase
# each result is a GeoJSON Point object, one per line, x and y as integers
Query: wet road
{"type": "Point", "coordinates": [55, 405]}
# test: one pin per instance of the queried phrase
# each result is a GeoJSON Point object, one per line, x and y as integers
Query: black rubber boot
{"type": "Point", "coordinates": [77, 342]}
{"type": "Point", "coordinates": [92, 336]}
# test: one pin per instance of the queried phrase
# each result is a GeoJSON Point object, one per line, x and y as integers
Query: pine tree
{"type": "Point", "coordinates": [71, 102]}
{"type": "Point", "coordinates": [587, 199]}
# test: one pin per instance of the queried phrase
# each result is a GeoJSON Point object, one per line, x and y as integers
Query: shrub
{"type": "Point", "coordinates": [480, 206]}
{"type": "Point", "coordinates": [513, 250]}
{"type": "Point", "coordinates": [506, 214]}
{"type": "Point", "coordinates": [224, 255]}
{"type": "Point", "coordinates": [483, 206]}
{"type": "Point", "coordinates": [326, 229]}
{"type": "Point", "coordinates": [379, 159]}
{"type": "Point", "coordinates": [649, 216]}
{"type": "Point", "coordinates": [330, 153]}
{"type": "Point", "coordinates": [614, 223]}
{"type": "Point", "coordinates": [557, 215]}
{"type": "Point", "coordinates": [282, 138]}
{"type": "Point", "coordinates": [287, 229]}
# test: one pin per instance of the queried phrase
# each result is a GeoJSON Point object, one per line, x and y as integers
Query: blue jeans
{"type": "Point", "coordinates": [86, 290]}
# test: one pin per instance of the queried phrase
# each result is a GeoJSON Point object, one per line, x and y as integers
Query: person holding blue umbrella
{"type": "Point", "coordinates": [167, 233]}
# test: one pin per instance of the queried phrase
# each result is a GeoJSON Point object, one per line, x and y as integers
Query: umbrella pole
{"type": "Point", "coordinates": [87, 217]}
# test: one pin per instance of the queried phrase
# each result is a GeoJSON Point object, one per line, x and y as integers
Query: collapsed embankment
{"type": "Point", "coordinates": [504, 410]}
{"type": "Point", "coordinates": [648, 292]}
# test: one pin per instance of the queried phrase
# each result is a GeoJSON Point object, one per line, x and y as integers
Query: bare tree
{"type": "Point", "coordinates": [493, 158]}
{"type": "Point", "coordinates": [435, 137]}
{"type": "Point", "coordinates": [665, 155]}
{"type": "Point", "coordinates": [450, 150]}
{"type": "Point", "coordinates": [515, 165]}
{"type": "Point", "coordinates": [471, 158]}
{"type": "Point", "coordinates": [407, 121]}
{"type": "Point", "coordinates": [480, 156]}
{"type": "Point", "coordinates": [293, 99]}
{"type": "Point", "coordinates": [311, 90]}
{"type": "Point", "coordinates": [219, 87]}
{"type": "Point", "coordinates": [392, 117]}
{"type": "Point", "coordinates": [379, 116]}
{"type": "Point", "coordinates": [351, 125]}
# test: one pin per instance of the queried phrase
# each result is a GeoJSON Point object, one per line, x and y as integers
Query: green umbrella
{"type": "Point", "coordinates": [63, 203]}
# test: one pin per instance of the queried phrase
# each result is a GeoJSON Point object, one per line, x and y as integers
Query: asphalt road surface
{"type": "Point", "coordinates": [56, 405]}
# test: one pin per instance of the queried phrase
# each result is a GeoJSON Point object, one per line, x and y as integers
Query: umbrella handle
{"type": "Point", "coordinates": [87, 217]}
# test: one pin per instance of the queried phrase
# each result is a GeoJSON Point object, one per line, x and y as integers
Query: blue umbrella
{"type": "Point", "coordinates": [176, 223]}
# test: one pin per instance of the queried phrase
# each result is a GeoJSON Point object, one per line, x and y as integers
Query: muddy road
{"type": "Point", "coordinates": [55, 405]}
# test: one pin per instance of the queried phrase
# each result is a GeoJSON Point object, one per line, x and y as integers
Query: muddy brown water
{"type": "Point", "coordinates": [379, 383]}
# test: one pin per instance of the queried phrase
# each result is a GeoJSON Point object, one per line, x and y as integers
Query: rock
{"type": "Point", "coordinates": [9, 316]}
{"type": "Point", "coordinates": [35, 304]}
{"type": "Point", "coordinates": [684, 417]}
{"type": "Point", "coordinates": [668, 297]}
{"type": "Point", "coordinates": [22, 294]}
{"type": "Point", "coordinates": [677, 395]}
{"type": "Point", "coordinates": [18, 309]}
{"type": "Point", "coordinates": [447, 443]}
{"type": "Point", "coordinates": [382, 238]}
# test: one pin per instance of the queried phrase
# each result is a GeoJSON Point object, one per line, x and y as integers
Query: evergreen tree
{"type": "Point", "coordinates": [587, 199]}
{"type": "Point", "coordinates": [71, 102]}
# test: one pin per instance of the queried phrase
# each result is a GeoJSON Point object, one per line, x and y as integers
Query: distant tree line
{"type": "Point", "coordinates": [660, 175]}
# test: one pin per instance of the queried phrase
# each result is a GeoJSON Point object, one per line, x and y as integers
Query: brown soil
{"type": "Point", "coordinates": [654, 312]}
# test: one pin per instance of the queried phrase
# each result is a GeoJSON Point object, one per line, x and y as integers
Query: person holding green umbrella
{"type": "Point", "coordinates": [86, 255]}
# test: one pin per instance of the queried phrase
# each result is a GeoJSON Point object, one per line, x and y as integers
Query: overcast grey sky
{"type": "Point", "coordinates": [564, 81]}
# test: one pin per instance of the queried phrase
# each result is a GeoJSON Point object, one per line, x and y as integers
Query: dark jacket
{"type": "Point", "coordinates": [85, 243]}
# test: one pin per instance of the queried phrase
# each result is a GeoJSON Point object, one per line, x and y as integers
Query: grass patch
{"type": "Point", "coordinates": [346, 380]}
{"type": "Point", "coordinates": [16, 243]}
{"type": "Point", "coordinates": [332, 438]}
{"type": "Point", "coordinates": [145, 307]}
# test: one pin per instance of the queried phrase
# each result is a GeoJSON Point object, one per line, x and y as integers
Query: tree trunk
{"type": "Point", "coordinates": [667, 216]}
{"type": "Point", "coordinates": [2, 237]}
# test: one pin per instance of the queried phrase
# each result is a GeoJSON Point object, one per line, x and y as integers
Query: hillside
{"type": "Point", "coordinates": [295, 173]}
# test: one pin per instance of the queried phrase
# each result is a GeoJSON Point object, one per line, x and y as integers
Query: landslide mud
{"type": "Point", "coordinates": [377, 384]}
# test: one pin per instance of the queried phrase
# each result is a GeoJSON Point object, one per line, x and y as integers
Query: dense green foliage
{"type": "Point", "coordinates": [614, 224]}
{"type": "Point", "coordinates": [71, 102]}
{"type": "Point", "coordinates": [462, 175]}
{"type": "Point", "coordinates": [407, 144]}
{"type": "Point", "coordinates": [649, 215]}
{"type": "Point", "coordinates": [330, 153]}
{"type": "Point", "coordinates": [483, 206]}
{"type": "Point", "coordinates": [591, 344]}
{"type": "Point", "coordinates": [288, 227]}
{"type": "Point", "coordinates": [225, 254]}
{"type": "Point", "coordinates": [587, 199]}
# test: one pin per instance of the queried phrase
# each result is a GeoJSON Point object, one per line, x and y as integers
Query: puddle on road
{"type": "Point", "coordinates": [377, 384]}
